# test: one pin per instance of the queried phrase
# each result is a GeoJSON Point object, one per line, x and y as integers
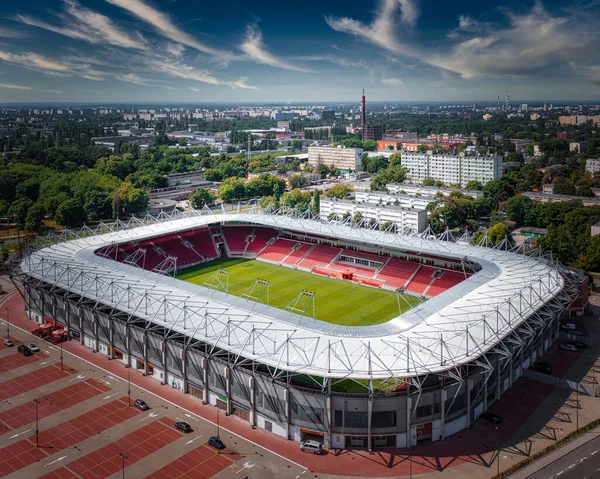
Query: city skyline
{"type": "Point", "coordinates": [399, 50]}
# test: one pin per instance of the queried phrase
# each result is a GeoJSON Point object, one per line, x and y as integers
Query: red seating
{"type": "Point", "coordinates": [295, 255]}
{"type": "Point", "coordinates": [445, 282]}
{"type": "Point", "coordinates": [277, 251]}
{"type": "Point", "coordinates": [397, 272]}
{"type": "Point", "coordinates": [174, 246]}
{"type": "Point", "coordinates": [202, 242]}
{"type": "Point", "coordinates": [361, 270]}
{"type": "Point", "coordinates": [261, 237]}
{"type": "Point", "coordinates": [320, 256]}
{"type": "Point", "coordinates": [235, 236]}
{"type": "Point", "coordinates": [421, 280]}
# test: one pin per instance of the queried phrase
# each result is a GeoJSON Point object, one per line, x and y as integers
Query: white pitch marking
{"type": "Point", "coordinates": [45, 362]}
{"type": "Point", "coordinates": [18, 434]}
{"type": "Point", "coordinates": [581, 460]}
{"type": "Point", "coordinates": [150, 415]}
{"type": "Point", "coordinates": [571, 466]}
{"type": "Point", "coordinates": [114, 379]}
{"type": "Point", "coordinates": [594, 452]}
{"type": "Point", "coordinates": [192, 440]}
{"type": "Point", "coordinates": [190, 416]}
{"type": "Point", "coordinates": [80, 376]}
{"type": "Point", "coordinates": [247, 465]}
{"type": "Point", "coordinates": [59, 459]}
{"type": "Point", "coordinates": [559, 473]}
{"type": "Point", "coordinates": [109, 396]}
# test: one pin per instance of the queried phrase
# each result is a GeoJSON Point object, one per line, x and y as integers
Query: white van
{"type": "Point", "coordinates": [311, 446]}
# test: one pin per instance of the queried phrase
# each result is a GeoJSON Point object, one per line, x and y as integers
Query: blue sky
{"type": "Point", "coordinates": [200, 51]}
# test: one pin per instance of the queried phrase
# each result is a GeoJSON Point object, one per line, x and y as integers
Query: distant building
{"type": "Point", "coordinates": [520, 145]}
{"type": "Point", "coordinates": [188, 178]}
{"type": "Point", "coordinates": [346, 159]}
{"type": "Point", "coordinates": [534, 116]}
{"type": "Point", "coordinates": [552, 198]}
{"type": "Point", "coordinates": [405, 219]}
{"type": "Point", "coordinates": [283, 116]}
{"type": "Point", "coordinates": [452, 169]}
{"type": "Point", "coordinates": [573, 119]}
{"type": "Point", "coordinates": [402, 135]}
{"type": "Point", "coordinates": [283, 125]}
{"type": "Point", "coordinates": [595, 229]}
{"type": "Point", "coordinates": [593, 166]}
{"type": "Point", "coordinates": [579, 146]}
{"type": "Point", "coordinates": [372, 132]}
{"type": "Point", "coordinates": [548, 188]}
{"type": "Point", "coordinates": [428, 191]}
{"type": "Point", "coordinates": [328, 115]}
{"type": "Point", "coordinates": [385, 198]}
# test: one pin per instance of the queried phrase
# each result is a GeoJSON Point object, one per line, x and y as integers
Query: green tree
{"type": "Point", "coordinates": [498, 190]}
{"type": "Point", "coordinates": [391, 174]}
{"type": "Point", "coordinates": [495, 234]}
{"type": "Point", "coordinates": [297, 181]}
{"type": "Point", "coordinates": [201, 198]}
{"type": "Point", "coordinates": [131, 199]}
{"type": "Point", "coordinates": [18, 211]}
{"type": "Point", "coordinates": [71, 214]}
{"type": "Point", "coordinates": [339, 190]}
{"type": "Point", "coordinates": [316, 206]}
{"type": "Point", "coordinates": [474, 185]}
{"type": "Point", "coordinates": [520, 209]}
{"type": "Point", "coordinates": [297, 199]}
{"type": "Point", "coordinates": [35, 218]}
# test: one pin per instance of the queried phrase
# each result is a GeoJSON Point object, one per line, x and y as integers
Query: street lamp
{"type": "Point", "coordinates": [123, 468]}
{"type": "Point", "coordinates": [37, 429]}
{"type": "Point", "coordinates": [128, 366]}
{"type": "Point", "coordinates": [7, 323]}
{"type": "Point", "coordinates": [61, 354]}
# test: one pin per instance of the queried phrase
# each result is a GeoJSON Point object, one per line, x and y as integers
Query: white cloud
{"type": "Point", "coordinates": [380, 31]}
{"type": "Point", "coordinates": [133, 78]}
{"type": "Point", "coordinates": [12, 86]}
{"type": "Point", "coordinates": [595, 74]}
{"type": "Point", "coordinates": [164, 25]}
{"type": "Point", "coordinates": [81, 23]}
{"type": "Point", "coordinates": [395, 82]}
{"type": "Point", "coordinates": [343, 62]}
{"type": "Point", "coordinates": [410, 12]}
{"type": "Point", "coordinates": [10, 33]}
{"type": "Point", "coordinates": [193, 89]}
{"type": "Point", "coordinates": [254, 47]}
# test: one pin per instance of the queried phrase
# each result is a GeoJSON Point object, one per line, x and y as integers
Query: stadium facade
{"type": "Point", "coordinates": [453, 355]}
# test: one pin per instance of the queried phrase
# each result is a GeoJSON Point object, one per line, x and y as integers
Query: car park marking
{"type": "Point", "coordinates": [190, 416]}
{"type": "Point", "coordinates": [109, 396]}
{"type": "Point", "coordinates": [192, 440]}
{"type": "Point", "coordinates": [18, 434]}
{"type": "Point", "coordinates": [80, 376]}
{"type": "Point", "coordinates": [247, 465]}
{"type": "Point", "coordinates": [594, 452]}
{"type": "Point", "coordinates": [57, 460]}
{"type": "Point", "coordinates": [149, 416]}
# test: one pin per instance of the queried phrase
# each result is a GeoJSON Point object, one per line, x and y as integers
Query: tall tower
{"type": "Point", "coordinates": [363, 112]}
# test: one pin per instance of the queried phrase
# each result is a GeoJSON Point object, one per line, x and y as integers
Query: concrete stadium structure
{"type": "Point", "coordinates": [453, 355]}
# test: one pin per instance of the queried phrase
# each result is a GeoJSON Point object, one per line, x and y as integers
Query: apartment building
{"type": "Point", "coordinates": [346, 159]}
{"type": "Point", "coordinates": [431, 191]}
{"type": "Point", "coordinates": [452, 169]}
{"type": "Point", "coordinates": [405, 219]}
{"type": "Point", "coordinates": [593, 166]}
{"type": "Point", "coordinates": [385, 198]}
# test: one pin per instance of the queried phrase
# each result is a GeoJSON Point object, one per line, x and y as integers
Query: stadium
{"type": "Point", "coordinates": [350, 334]}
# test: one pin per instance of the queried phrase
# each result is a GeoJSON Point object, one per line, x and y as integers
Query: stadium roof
{"type": "Point", "coordinates": [454, 328]}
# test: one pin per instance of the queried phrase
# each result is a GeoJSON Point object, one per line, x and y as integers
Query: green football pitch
{"type": "Point", "coordinates": [336, 301]}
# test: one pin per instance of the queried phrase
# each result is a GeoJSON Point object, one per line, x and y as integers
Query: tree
{"type": "Point", "coordinates": [498, 190]}
{"type": "Point", "coordinates": [429, 181]}
{"type": "Point", "coordinates": [71, 214]}
{"type": "Point", "coordinates": [395, 159]}
{"type": "Point", "coordinates": [297, 199]}
{"type": "Point", "coordinates": [131, 199]}
{"type": "Point", "coordinates": [339, 190]}
{"type": "Point", "coordinates": [35, 218]}
{"type": "Point", "coordinates": [564, 188]}
{"type": "Point", "coordinates": [391, 174]}
{"type": "Point", "coordinates": [297, 180]}
{"type": "Point", "coordinates": [296, 144]}
{"type": "Point", "coordinates": [18, 211]}
{"type": "Point", "coordinates": [213, 174]}
{"type": "Point", "coordinates": [519, 209]}
{"type": "Point", "coordinates": [474, 185]}
{"type": "Point", "coordinates": [495, 234]}
{"type": "Point", "coordinates": [201, 198]}
{"type": "Point", "coordinates": [316, 202]}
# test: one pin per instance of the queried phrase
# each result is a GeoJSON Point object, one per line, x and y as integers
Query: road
{"type": "Point", "coordinates": [581, 463]}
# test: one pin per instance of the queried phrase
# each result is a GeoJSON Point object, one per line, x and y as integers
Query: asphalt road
{"type": "Point", "coordinates": [581, 463]}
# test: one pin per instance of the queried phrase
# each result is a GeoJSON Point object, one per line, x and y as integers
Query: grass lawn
{"type": "Point", "coordinates": [337, 301]}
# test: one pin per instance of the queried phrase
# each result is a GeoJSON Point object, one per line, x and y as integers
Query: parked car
{"type": "Point", "coordinates": [24, 350]}
{"type": "Point", "coordinates": [8, 343]}
{"type": "Point", "coordinates": [216, 442]}
{"type": "Point", "coordinates": [183, 426]}
{"type": "Point", "coordinates": [491, 417]}
{"type": "Point", "coordinates": [33, 348]}
{"type": "Point", "coordinates": [141, 405]}
{"type": "Point", "coordinates": [568, 347]}
{"type": "Point", "coordinates": [311, 446]}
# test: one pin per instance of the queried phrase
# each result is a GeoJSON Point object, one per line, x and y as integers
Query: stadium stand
{"type": "Point", "coordinates": [397, 272]}
{"type": "Point", "coordinates": [421, 280]}
{"type": "Point", "coordinates": [322, 255]}
{"type": "Point", "coordinates": [364, 255]}
{"type": "Point", "coordinates": [174, 246]}
{"type": "Point", "coordinates": [235, 237]}
{"type": "Point", "coordinates": [203, 243]}
{"type": "Point", "coordinates": [277, 251]}
{"type": "Point", "coordinates": [448, 280]}
{"type": "Point", "coordinates": [295, 255]}
{"type": "Point", "coordinates": [261, 237]}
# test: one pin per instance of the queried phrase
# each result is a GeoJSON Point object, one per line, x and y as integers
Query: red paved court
{"type": "Point", "coordinates": [67, 434]}
{"type": "Point", "coordinates": [52, 403]}
{"type": "Point", "coordinates": [33, 380]}
{"type": "Point", "coordinates": [106, 461]}
{"type": "Point", "coordinates": [17, 360]}
{"type": "Point", "coordinates": [201, 463]}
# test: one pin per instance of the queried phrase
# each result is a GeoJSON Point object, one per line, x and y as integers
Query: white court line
{"type": "Point", "coordinates": [178, 406]}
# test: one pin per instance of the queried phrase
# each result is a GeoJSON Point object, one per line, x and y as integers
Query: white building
{"type": "Point", "coordinates": [403, 201]}
{"type": "Point", "coordinates": [452, 169]}
{"type": "Point", "coordinates": [345, 159]}
{"type": "Point", "coordinates": [404, 218]}
{"type": "Point", "coordinates": [592, 166]}
{"type": "Point", "coordinates": [431, 191]}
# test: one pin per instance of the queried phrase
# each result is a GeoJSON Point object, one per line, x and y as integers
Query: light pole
{"type": "Point", "coordinates": [218, 425]}
{"type": "Point", "coordinates": [577, 410]}
{"type": "Point", "coordinates": [123, 456]}
{"type": "Point", "coordinates": [498, 441]}
{"type": "Point", "coordinates": [37, 429]}
{"type": "Point", "coordinates": [128, 366]}
{"type": "Point", "coordinates": [61, 355]}
{"type": "Point", "coordinates": [7, 323]}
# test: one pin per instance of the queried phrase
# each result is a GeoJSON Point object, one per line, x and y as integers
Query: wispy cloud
{"type": "Point", "coordinates": [10, 33]}
{"type": "Point", "coordinates": [409, 12]}
{"type": "Point", "coordinates": [133, 78]}
{"type": "Point", "coordinates": [12, 86]}
{"type": "Point", "coordinates": [163, 24]}
{"type": "Point", "coordinates": [193, 89]}
{"type": "Point", "coordinates": [81, 23]}
{"type": "Point", "coordinates": [254, 47]}
{"type": "Point", "coordinates": [395, 82]}
{"type": "Point", "coordinates": [51, 66]}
